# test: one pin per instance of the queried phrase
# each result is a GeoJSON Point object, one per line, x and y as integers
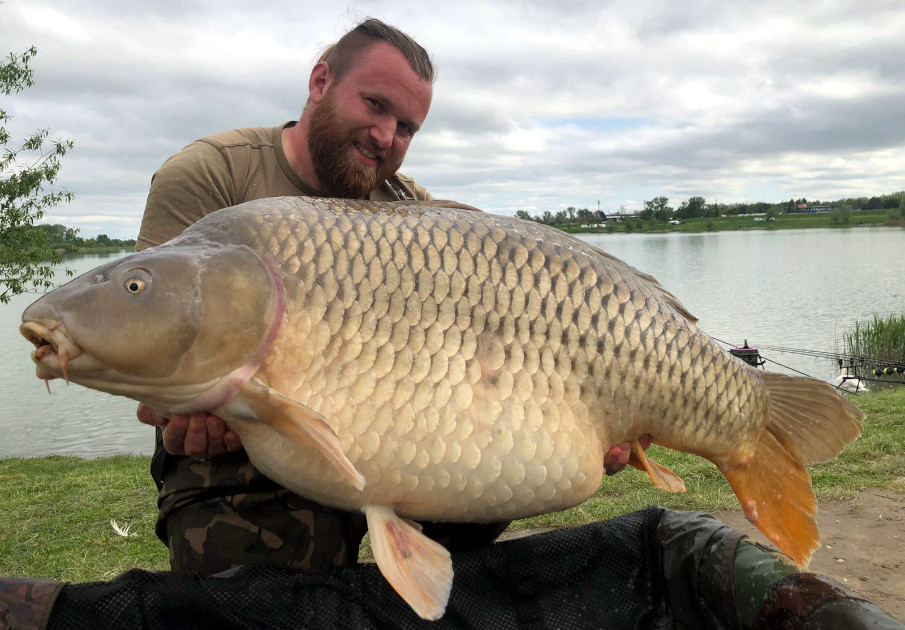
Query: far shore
{"type": "Point", "coordinates": [632, 224]}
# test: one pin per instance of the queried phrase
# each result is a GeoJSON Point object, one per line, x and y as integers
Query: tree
{"type": "Point", "coordinates": [658, 208]}
{"type": "Point", "coordinates": [60, 234]}
{"type": "Point", "coordinates": [570, 214]}
{"type": "Point", "coordinates": [26, 255]}
{"type": "Point", "coordinates": [585, 216]}
{"type": "Point", "coordinates": [694, 208]}
{"type": "Point", "coordinates": [523, 215]}
{"type": "Point", "coordinates": [840, 215]}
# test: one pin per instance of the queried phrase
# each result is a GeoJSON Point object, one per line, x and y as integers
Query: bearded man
{"type": "Point", "coordinates": [368, 96]}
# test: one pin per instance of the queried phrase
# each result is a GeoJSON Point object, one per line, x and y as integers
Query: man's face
{"type": "Point", "coordinates": [362, 125]}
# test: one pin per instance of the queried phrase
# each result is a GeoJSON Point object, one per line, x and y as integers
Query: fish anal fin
{"type": "Point", "coordinates": [295, 422]}
{"type": "Point", "coordinates": [418, 568]}
{"type": "Point", "coordinates": [660, 475]}
{"type": "Point", "coordinates": [776, 496]}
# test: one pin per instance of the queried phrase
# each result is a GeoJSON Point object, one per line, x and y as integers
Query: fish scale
{"type": "Point", "coordinates": [437, 363]}
{"type": "Point", "coordinates": [515, 284]}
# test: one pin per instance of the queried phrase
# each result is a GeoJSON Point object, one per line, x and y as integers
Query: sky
{"type": "Point", "coordinates": [538, 105]}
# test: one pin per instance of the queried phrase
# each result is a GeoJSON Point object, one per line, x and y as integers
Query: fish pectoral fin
{"type": "Point", "coordinates": [663, 477]}
{"type": "Point", "coordinates": [418, 568]}
{"type": "Point", "coordinates": [296, 422]}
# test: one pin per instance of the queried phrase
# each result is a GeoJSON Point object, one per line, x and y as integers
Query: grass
{"type": "Point", "coordinates": [56, 515]}
{"type": "Point", "coordinates": [56, 511]}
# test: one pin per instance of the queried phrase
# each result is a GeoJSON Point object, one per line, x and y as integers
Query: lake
{"type": "Point", "coordinates": [796, 289]}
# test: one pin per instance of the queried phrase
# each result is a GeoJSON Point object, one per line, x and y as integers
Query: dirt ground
{"type": "Point", "coordinates": [862, 545]}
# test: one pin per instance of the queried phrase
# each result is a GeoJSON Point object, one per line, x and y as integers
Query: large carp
{"type": "Point", "coordinates": [434, 363]}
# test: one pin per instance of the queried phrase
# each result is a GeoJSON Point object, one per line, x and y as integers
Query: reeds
{"type": "Point", "coordinates": [879, 341]}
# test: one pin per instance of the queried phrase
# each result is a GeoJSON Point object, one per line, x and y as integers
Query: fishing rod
{"type": "Point", "coordinates": [847, 363]}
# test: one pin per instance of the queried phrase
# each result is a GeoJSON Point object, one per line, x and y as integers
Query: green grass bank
{"type": "Point", "coordinates": [55, 512]}
{"type": "Point", "coordinates": [864, 218]}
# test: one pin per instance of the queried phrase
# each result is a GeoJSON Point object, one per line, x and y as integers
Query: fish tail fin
{"type": "Point", "coordinates": [809, 422]}
{"type": "Point", "coordinates": [418, 568]}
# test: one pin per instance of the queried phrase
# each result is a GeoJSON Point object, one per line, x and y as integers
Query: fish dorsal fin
{"type": "Point", "coordinates": [295, 422]}
{"type": "Point", "coordinates": [664, 293]}
{"type": "Point", "coordinates": [418, 568]}
{"type": "Point", "coordinates": [663, 477]}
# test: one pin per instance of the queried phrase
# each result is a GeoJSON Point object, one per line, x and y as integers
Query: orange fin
{"type": "Point", "coordinates": [775, 492]}
{"type": "Point", "coordinates": [296, 422]}
{"type": "Point", "coordinates": [418, 568]}
{"type": "Point", "coordinates": [809, 417]}
{"type": "Point", "coordinates": [809, 421]}
{"type": "Point", "coordinates": [663, 477]}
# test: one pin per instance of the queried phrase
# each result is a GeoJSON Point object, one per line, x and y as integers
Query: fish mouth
{"type": "Point", "coordinates": [54, 349]}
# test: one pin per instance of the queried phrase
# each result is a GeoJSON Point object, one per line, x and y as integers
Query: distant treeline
{"type": "Point", "coordinates": [67, 239]}
{"type": "Point", "coordinates": [658, 209]}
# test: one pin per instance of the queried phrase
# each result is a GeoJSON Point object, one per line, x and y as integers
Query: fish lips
{"type": "Point", "coordinates": [54, 349]}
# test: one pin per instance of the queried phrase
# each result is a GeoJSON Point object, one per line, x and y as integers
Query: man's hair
{"type": "Point", "coordinates": [344, 54]}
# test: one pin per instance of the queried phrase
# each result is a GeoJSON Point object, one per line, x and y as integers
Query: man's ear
{"type": "Point", "coordinates": [321, 79]}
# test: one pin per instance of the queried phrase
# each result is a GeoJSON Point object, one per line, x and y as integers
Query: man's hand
{"type": "Point", "coordinates": [199, 435]}
{"type": "Point", "coordinates": [617, 457]}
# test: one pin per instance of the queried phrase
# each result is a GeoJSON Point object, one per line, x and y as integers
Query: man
{"type": "Point", "coordinates": [368, 96]}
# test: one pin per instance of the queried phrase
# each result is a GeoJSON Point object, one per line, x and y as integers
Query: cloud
{"type": "Point", "coordinates": [537, 105]}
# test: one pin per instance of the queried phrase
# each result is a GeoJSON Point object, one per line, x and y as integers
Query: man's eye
{"type": "Point", "coordinates": [373, 103]}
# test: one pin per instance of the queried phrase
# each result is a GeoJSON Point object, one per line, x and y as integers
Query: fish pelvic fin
{"type": "Point", "coordinates": [663, 477]}
{"type": "Point", "coordinates": [297, 423]}
{"type": "Point", "coordinates": [808, 422]}
{"type": "Point", "coordinates": [419, 569]}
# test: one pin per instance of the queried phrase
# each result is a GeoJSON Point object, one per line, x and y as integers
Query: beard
{"type": "Point", "coordinates": [330, 141]}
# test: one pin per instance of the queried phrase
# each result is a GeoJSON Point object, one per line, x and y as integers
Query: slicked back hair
{"type": "Point", "coordinates": [344, 54]}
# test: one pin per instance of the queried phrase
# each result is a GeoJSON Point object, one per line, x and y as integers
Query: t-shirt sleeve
{"type": "Point", "coordinates": [190, 184]}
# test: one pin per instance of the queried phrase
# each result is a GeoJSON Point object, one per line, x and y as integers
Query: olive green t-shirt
{"type": "Point", "coordinates": [229, 168]}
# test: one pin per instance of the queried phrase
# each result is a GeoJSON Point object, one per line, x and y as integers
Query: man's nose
{"type": "Point", "coordinates": [383, 132]}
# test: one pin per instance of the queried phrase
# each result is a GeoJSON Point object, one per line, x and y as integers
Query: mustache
{"type": "Point", "coordinates": [373, 148]}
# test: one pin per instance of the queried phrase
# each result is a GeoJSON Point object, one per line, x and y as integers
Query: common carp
{"type": "Point", "coordinates": [433, 363]}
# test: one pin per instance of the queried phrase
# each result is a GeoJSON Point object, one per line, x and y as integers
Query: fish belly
{"type": "Point", "coordinates": [482, 463]}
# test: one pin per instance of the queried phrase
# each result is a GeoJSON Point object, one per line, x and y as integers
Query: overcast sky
{"type": "Point", "coordinates": [537, 105]}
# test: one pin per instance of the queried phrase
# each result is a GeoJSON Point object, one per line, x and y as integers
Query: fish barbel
{"type": "Point", "coordinates": [422, 362]}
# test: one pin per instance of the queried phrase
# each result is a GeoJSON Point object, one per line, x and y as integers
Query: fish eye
{"type": "Point", "coordinates": [136, 280]}
{"type": "Point", "coordinates": [135, 285]}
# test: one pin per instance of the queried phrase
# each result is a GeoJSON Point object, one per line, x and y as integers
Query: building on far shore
{"type": "Point", "coordinates": [804, 208]}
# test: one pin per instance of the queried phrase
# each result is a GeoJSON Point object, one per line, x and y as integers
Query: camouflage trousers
{"type": "Point", "coordinates": [222, 513]}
